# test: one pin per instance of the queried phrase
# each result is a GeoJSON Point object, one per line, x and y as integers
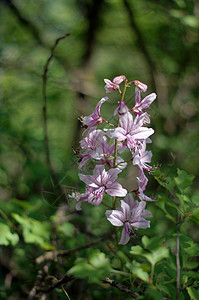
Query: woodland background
{"type": "Point", "coordinates": [153, 41]}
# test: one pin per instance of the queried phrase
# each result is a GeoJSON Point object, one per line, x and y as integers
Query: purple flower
{"type": "Point", "coordinates": [105, 154]}
{"type": "Point", "coordinates": [142, 183]}
{"type": "Point", "coordinates": [91, 144]}
{"type": "Point", "coordinates": [112, 86]}
{"type": "Point", "coordinates": [99, 183]}
{"type": "Point", "coordinates": [142, 157]}
{"type": "Point", "coordinates": [122, 109]}
{"type": "Point", "coordinates": [144, 104]}
{"type": "Point", "coordinates": [131, 131]}
{"type": "Point", "coordinates": [130, 214]}
{"type": "Point", "coordinates": [95, 118]}
{"type": "Point", "coordinates": [91, 195]}
{"type": "Point", "coordinates": [141, 86]}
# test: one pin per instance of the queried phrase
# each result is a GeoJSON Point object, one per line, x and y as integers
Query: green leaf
{"type": "Point", "coordinates": [183, 180]}
{"type": "Point", "coordinates": [95, 267]}
{"type": "Point", "coordinates": [152, 294]}
{"type": "Point", "coordinates": [193, 293]}
{"type": "Point", "coordinates": [7, 237]}
{"type": "Point", "coordinates": [152, 243]}
{"type": "Point", "coordinates": [66, 229]}
{"type": "Point", "coordinates": [195, 215]}
{"type": "Point", "coordinates": [162, 201]}
{"type": "Point", "coordinates": [34, 231]}
{"type": "Point", "coordinates": [166, 182]}
{"type": "Point", "coordinates": [155, 255]}
{"type": "Point", "coordinates": [195, 198]}
{"type": "Point", "coordinates": [139, 270]}
{"type": "Point", "coordinates": [192, 249]}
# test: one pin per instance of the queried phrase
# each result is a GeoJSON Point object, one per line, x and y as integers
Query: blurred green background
{"type": "Point", "coordinates": [154, 41]}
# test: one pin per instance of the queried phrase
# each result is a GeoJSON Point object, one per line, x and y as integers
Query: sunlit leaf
{"type": "Point", "coordinates": [193, 293]}
{"type": "Point", "coordinates": [183, 180]}
{"type": "Point", "coordinates": [95, 267]}
{"type": "Point", "coordinates": [34, 231]}
{"type": "Point", "coordinates": [7, 237]}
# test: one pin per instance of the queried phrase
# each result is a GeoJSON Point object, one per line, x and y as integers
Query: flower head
{"type": "Point", "coordinates": [144, 104]}
{"type": "Point", "coordinates": [99, 183]}
{"type": "Point", "coordinates": [141, 86]}
{"type": "Point", "coordinates": [142, 157]}
{"type": "Point", "coordinates": [142, 183]}
{"type": "Point", "coordinates": [95, 118]}
{"type": "Point", "coordinates": [130, 214]}
{"type": "Point", "coordinates": [112, 86]}
{"type": "Point", "coordinates": [131, 131]}
{"type": "Point", "coordinates": [91, 145]}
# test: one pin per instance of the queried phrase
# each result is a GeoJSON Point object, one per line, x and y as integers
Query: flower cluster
{"type": "Point", "coordinates": [105, 148]}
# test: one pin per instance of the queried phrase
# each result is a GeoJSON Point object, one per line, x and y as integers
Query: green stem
{"type": "Point", "coordinates": [152, 272]}
{"type": "Point", "coordinates": [6, 218]}
{"type": "Point", "coordinates": [120, 272]}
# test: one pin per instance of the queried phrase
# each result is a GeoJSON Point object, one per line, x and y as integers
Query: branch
{"type": "Point", "coordinates": [51, 255]}
{"type": "Point", "coordinates": [46, 139]}
{"type": "Point", "coordinates": [55, 284]}
{"type": "Point", "coordinates": [121, 287]}
{"type": "Point", "coordinates": [141, 43]}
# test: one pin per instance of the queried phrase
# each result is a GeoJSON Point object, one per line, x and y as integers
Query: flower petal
{"type": "Point", "coordinates": [124, 238]}
{"type": "Point", "coordinates": [115, 217]}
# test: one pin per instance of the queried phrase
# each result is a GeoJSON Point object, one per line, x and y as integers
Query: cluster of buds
{"type": "Point", "coordinates": [103, 146]}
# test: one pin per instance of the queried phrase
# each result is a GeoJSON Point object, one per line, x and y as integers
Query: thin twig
{"type": "Point", "coordinates": [55, 284]}
{"type": "Point", "coordinates": [51, 255]}
{"type": "Point", "coordinates": [45, 119]}
{"type": "Point", "coordinates": [141, 42]}
{"type": "Point", "coordinates": [121, 287]}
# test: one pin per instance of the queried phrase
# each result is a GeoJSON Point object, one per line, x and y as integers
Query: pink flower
{"type": "Point", "coordinates": [142, 183]}
{"type": "Point", "coordinates": [95, 118]}
{"type": "Point", "coordinates": [112, 86]}
{"type": "Point", "coordinates": [141, 86]}
{"type": "Point", "coordinates": [130, 214]}
{"type": "Point", "coordinates": [141, 157]}
{"type": "Point", "coordinates": [131, 131]}
{"type": "Point", "coordinates": [99, 183]}
{"type": "Point", "coordinates": [144, 104]}
{"type": "Point", "coordinates": [104, 154]}
{"type": "Point", "coordinates": [91, 144]}
{"type": "Point", "coordinates": [122, 109]}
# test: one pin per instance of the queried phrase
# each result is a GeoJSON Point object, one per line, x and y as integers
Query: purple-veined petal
{"type": "Point", "coordinates": [112, 174]}
{"type": "Point", "coordinates": [118, 133]}
{"type": "Point", "coordinates": [98, 170]}
{"type": "Point", "coordinates": [125, 209]}
{"type": "Point", "coordinates": [126, 122]}
{"type": "Point", "coordinates": [124, 238]}
{"type": "Point", "coordinates": [137, 96]}
{"type": "Point", "coordinates": [142, 133]}
{"type": "Point", "coordinates": [122, 109]}
{"type": "Point", "coordinates": [141, 224]}
{"type": "Point", "coordinates": [115, 189]}
{"type": "Point", "coordinates": [146, 102]}
{"type": "Point", "coordinates": [84, 160]}
{"type": "Point", "coordinates": [119, 79]}
{"type": "Point", "coordinates": [141, 86]}
{"type": "Point", "coordinates": [115, 217]}
{"type": "Point", "coordinates": [88, 179]}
